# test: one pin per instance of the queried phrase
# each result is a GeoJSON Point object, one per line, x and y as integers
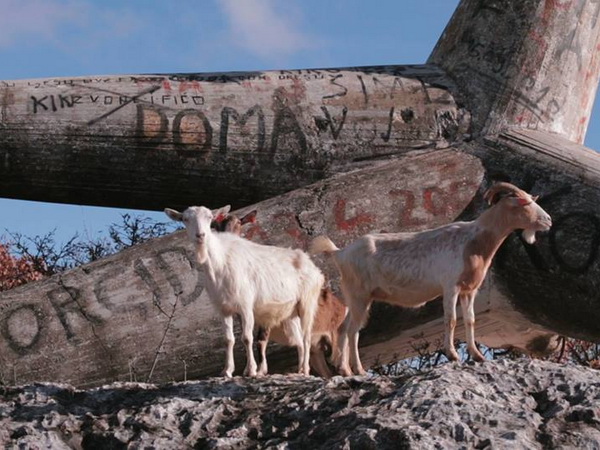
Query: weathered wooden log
{"type": "Point", "coordinates": [379, 137]}
{"type": "Point", "coordinates": [146, 141]}
{"type": "Point", "coordinates": [530, 63]}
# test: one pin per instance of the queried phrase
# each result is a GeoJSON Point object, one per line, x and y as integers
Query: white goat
{"type": "Point", "coordinates": [263, 284]}
{"type": "Point", "coordinates": [410, 269]}
{"type": "Point", "coordinates": [328, 318]}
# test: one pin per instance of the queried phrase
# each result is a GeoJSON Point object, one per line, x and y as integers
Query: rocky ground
{"type": "Point", "coordinates": [499, 404]}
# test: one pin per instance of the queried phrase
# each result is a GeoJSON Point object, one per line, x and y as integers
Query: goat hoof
{"type": "Point", "coordinates": [452, 356]}
{"type": "Point", "coordinates": [227, 373]}
{"type": "Point", "coordinates": [345, 372]}
{"type": "Point", "coordinates": [477, 356]}
{"type": "Point", "coordinates": [250, 372]}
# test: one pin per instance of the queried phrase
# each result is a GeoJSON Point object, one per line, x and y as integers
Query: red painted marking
{"type": "Point", "coordinates": [256, 231]}
{"type": "Point", "coordinates": [583, 120]}
{"type": "Point", "coordinates": [298, 90]}
{"type": "Point", "coordinates": [406, 211]}
{"type": "Point", "coordinates": [548, 10]}
{"type": "Point", "coordinates": [551, 6]}
{"type": "Point", "coordinates": [537, 37]}
{"type": "Point", "coordinates": [435, 201]}
{"type": "Point", "coordinates": [288, 222]}
{"type": "Point", "coordinates": [585, 100]}
{"type": "Point", "coordinates": [344, 224]}
{"type": "Point", "coordinates": [294, 232]}
{"type": "Point", "coordinates": [524, 117]}
{"type": "Point", "coordinates": [429, 204]}
{"type": "Point", "coordinates": [166, 85]}
{"type": "Point", "coordinates": [189, 85]}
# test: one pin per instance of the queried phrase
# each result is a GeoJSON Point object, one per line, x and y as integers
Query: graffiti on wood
{"type": "Point", "coordinates": [179, 109]}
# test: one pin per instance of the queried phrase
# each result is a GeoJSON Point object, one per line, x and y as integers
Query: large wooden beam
{"type": "Point", "coordinates": [180, 139]}
{"type": "Point", "coordinates": [524, 63]}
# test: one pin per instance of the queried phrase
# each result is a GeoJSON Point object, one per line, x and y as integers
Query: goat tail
{"type": "Point", "coordinates": [322, 244]}
{"type": "Point", "coordinates": [307, 309]}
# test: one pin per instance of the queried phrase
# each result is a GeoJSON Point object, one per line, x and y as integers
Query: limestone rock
{"type": "Point", "coordinates": [499, 404]}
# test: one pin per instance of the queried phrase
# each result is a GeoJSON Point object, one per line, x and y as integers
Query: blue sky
{"type": "Point", "coordinates": [52, 38]}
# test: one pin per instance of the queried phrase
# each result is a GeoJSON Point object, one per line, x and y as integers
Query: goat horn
{"type": "Point", "coordinates": [499, 190]}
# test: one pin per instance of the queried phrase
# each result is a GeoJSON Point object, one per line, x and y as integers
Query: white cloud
{"type": "Point", "coordinates": [22, 20]}
{"type": "Point", "coordinates": [260, 28]}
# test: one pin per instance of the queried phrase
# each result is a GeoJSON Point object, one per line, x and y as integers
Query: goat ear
{"type": "Point", "coordinates": [219, 215]}
{"type": "Point", "coordinates": [222, 211]}
{"type": "Point", "coordinates": [174, 215]}
{"type": "Point", "coordinates": [249, 218]}
{"type": "Point", "coordinates": [523, 201]}
{"type": "Point", "coordinates": [492, 197]}
{"type": "Point", "coordinates": [218, 219]}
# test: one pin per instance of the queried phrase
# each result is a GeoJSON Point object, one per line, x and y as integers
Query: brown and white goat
{"type": "Point", "coordinates": [328, 318]}
{"type": "Point", "coordinates": [265, 285]}
{"type": "Point", "coordinates": [411, 269]}
{"type": "Point", "coordinates": [231, 223]}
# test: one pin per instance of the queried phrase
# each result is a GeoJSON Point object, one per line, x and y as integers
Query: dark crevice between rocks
{"type": "Point", "coordinates": [547, 408]}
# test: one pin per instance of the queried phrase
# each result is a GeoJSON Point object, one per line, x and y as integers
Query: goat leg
{"type": "Point", "coordinates": [263, 340]}
{"type": "Point", "coordinates": [230, 340]}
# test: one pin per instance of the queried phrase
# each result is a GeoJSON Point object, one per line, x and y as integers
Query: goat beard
{"type": "Point", "coordinates": [529, 236]}
{"type": "Point", "coordinates": [201, 254]}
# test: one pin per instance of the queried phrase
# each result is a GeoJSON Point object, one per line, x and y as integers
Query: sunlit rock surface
{"type": "Point", "coordinates": [501, 404]}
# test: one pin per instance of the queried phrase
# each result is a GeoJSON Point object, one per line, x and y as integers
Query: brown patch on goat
{"type": "Point", "coordinates": [330, 315]}
{"type": "Point", "coordinates": [297, 262]}
{"type": "Point", "coordinates": [477, 258]}
{"type": "Point", "coordinates": [335, 309]}
{"type": "Point", "coordinates": [231, 223]}
{"type": "Point", "coordinates": [228, 223]}
{"type": "Point", "coordinates": [379, 294]}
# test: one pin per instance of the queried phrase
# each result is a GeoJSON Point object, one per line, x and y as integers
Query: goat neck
{"type": "Point", "coordinates": [496, 225]}
{"type": "Point", "coordinates": [491, 229]}
{"type": "Point", "coordinates": [209, 252]}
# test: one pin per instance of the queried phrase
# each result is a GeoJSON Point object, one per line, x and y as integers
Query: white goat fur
{"type": "Point", "coordinates": [411, 269]}
{"type": "Point", "coordinates": [264, 284]}
{"type": "Point", "coordinates": [328, 317]}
